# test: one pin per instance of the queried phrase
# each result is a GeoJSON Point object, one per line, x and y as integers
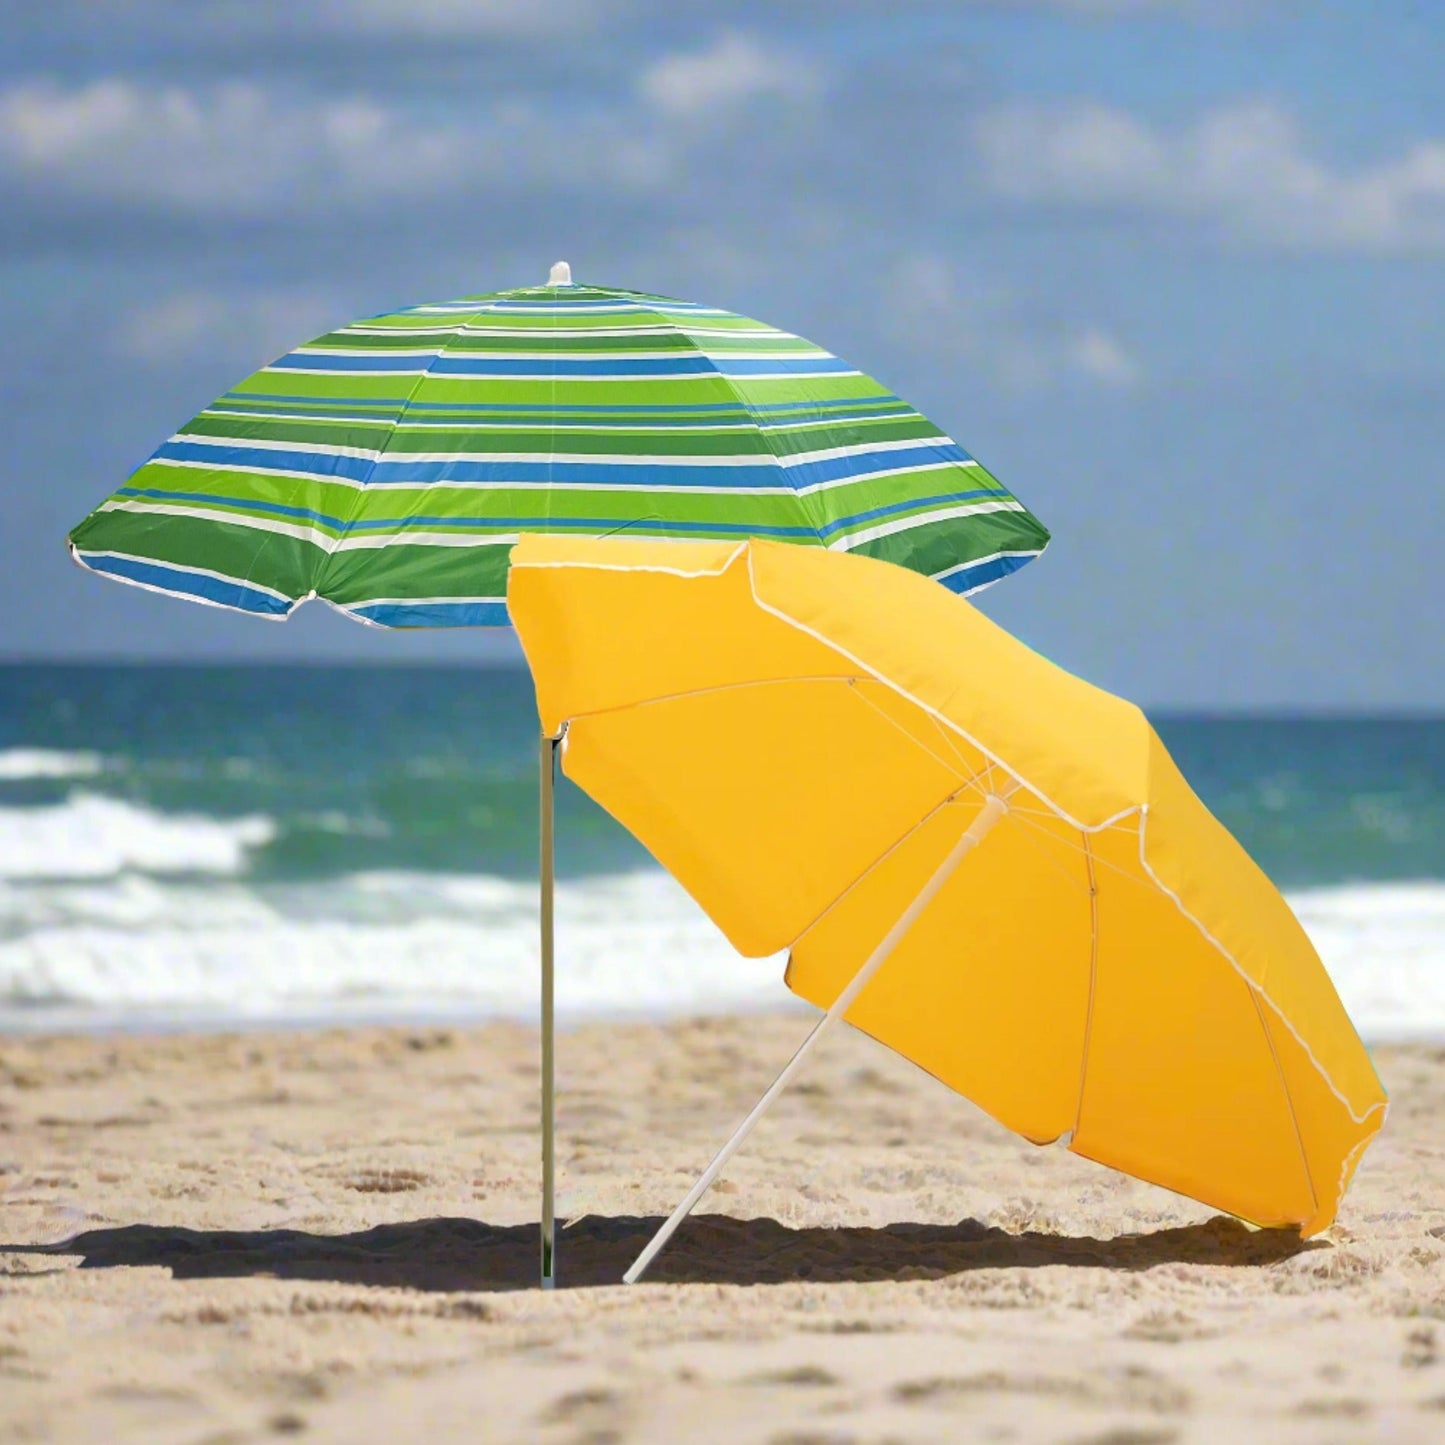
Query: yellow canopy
{"type": "Point", "coordinates": [801, 737]}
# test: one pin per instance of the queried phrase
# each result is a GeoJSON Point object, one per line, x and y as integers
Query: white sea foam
{"type": "Point", "coordinates": [1384, 945]}
{"type": "Point", "coordinates": [89, 836]}
{"type": "Point", "coordinates": [18, 764]}
{"type": "Point", "coordinates": [374, 944]}
{"type": "Point", "coordinates": [394, 945]}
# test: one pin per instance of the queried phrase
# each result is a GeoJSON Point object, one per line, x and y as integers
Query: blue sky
{"type": "Point", "coordinates": [1172, 269]}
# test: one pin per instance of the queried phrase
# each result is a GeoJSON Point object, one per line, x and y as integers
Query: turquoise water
{"type": "Point", "coordinates": [235, 837]}
{"type": "Point", "coordinates": [435, 769]}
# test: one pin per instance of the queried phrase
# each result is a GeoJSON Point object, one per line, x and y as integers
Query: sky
{"type": "Point", "coordinates": [1172, 269]}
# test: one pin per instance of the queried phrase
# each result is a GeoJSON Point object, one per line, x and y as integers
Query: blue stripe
{"type": "Point", "coordinates": [396, 470]}
{"type": "Point", "coordinates": [970, 579]}
{"type": "Point", "coordinates": [436, 614]}
{"type": "Point", "coordinates": [739, 421]}
{"type": "Point", "coordinates": [376, 362]}
{"type": "Point", "coordinates": [548, 368]}
{"type": "Point", "coordinates": [189, 584]}
{"type": "Point", "coordinates": [223, 455]}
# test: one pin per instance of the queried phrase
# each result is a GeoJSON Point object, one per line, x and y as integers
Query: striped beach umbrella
{"type": "Point", "coordinates": [389, 466]}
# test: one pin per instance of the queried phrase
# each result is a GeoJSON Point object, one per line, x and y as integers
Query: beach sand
{"type": "Point", "coordinates": [331, 1235]}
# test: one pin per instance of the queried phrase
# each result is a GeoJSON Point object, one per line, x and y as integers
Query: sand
{"type": "Point", "coordinates": [330, 1235]}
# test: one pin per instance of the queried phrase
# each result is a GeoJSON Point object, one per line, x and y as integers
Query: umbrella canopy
{"type": "Point", "coordinates": [812, 742]}
{"type": "Point", "coordinates": [389, 466]}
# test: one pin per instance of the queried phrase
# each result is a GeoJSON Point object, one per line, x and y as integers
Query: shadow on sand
{"type": "Point", "coordinates": [466, 1254]}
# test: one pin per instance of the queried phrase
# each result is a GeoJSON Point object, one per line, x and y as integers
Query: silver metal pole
{"type": "Point", "coordinates": [993, 809]}
{"type": "Point", "coordinates": [549, 1175]}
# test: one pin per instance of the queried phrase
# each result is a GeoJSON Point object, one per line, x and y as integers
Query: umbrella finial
{"type": "Point", "coordinates": [561, 274]}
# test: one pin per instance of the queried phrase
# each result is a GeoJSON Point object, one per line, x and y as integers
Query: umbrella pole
{"type": "Point", "coordinates": [549, 1222]}
{"type": "Point", "coordinates": [993, 809]}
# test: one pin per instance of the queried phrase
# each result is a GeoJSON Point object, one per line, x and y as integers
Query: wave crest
{"type": "Point", "coordinates": [90, 837]}
{"type": "Point", "coordinates": [22, 764]}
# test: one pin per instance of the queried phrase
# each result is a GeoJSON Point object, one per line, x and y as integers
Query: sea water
{"type": "Point", "coordinates": [214, 846]}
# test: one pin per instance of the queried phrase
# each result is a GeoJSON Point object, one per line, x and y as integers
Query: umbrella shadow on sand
{"type": "Point", "coordinates": [467, 1254]}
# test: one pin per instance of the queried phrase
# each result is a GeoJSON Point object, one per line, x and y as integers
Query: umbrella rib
{"type": "Point", "coordinates": [1284, 1089]}
{"type": "Point", "coordinates": [1079, 848]}
{"type": "Point", "coordinates": [961, 774]}
{"type": "Point", "coordinates": [947, 741]}
{"type": "Point", "coordinates": [883, 857]}
{"type": "Point", "coordinates": [1234, 963]}
{"type": "Point", "coordinates": [1093, 979]}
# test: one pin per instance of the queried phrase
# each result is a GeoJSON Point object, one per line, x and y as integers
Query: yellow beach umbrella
{"type": "Point", "coordinates": [812, 742]}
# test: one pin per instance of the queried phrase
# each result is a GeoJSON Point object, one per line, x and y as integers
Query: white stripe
{"type": "Point", "coordinates": [813, 353]}
{"type": "Point", "coordinates": [638, 567]}
{"type": "Point", "coordinates": [255, 521]}
{"type": "Point", "coordinates": [419, 425]}
{"type": "Point", "coordinates": [321, 371]}
{"type": "Point", "coordinates": [701, 461]}
{"type": "Point", "coordinates": [83, 555]}
{"type": "Point", "coordinates": [376, 351]}
{"type": "Point", "coordinates": [551, 333]}
{"type": "Point", "coordinates": [320, 449]}
{"type": "Point", "coordinates": [369, 541]}
{"type": "Point", "coordinates": [419, 601]}
{"type": "Point", "coordinates": [861, 477]}
{"type": "Point", "coordinates": [594, 308]}
{"type": "Point", "coordinates": [399, 331]}
{"type": "Point", "coordinates": [920, 519]}
{"type": "Point", "coordinates": [831, 421]}
{"type": "Point", "coordinates": [979, 561]}
{"type": "Point", "coordinates": [305, 416]}
{"type": "Point", "coordinates": [373, 541]}
{"type": "Point", "coordinates": [679, 489]}
{"type": "Point", "coordinates": [864, 449]}
{"type": "Point", "coordinates": [584, 379]}
{"type": "Point", "coordinates": [298, 474]}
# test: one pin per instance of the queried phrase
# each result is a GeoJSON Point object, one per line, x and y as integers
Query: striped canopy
{"type": "Point", "coordinates": [389, 466]}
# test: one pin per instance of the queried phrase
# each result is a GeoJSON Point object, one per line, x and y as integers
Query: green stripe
{"type": "Point", "coordinates": [669, 418]}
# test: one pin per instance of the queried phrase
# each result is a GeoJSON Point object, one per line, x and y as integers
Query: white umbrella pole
{"type": "Point", "coordinates": [993, 809]}
{"type": "Point", "coordinates": [549, 1220]}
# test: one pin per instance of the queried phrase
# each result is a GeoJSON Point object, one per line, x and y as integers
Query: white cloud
{"type": "Point", "coordinates": [1098, 355]}
{"type": "Point", "coordinates": [439, 20]}
{"type": "Point", "coordinates": [236, 148]}
{"type": "Point", "coordinates": [1246, 169]}
{"type": "Point", "coordinates": [253, 327]}
{"type": "Point", "coordinates": [733, 69]}
{"type": "Point", "coordinates": [932, 307]}
{"type": "Point", "coordinates": [245, 149]}
{"type": "Point", "coordinates": [448, 17]}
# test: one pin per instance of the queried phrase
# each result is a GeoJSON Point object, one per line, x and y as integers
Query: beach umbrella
{"type": "Point", "coordinates": [388, 467]}
{"type": "Point", "coordinates": [982, 861]}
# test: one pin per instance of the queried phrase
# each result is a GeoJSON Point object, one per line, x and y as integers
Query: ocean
{"type": "Point", "coordinates": [235, 845]}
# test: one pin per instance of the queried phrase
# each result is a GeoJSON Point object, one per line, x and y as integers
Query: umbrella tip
{"type": "Point", "coordinates": [561, 274]}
